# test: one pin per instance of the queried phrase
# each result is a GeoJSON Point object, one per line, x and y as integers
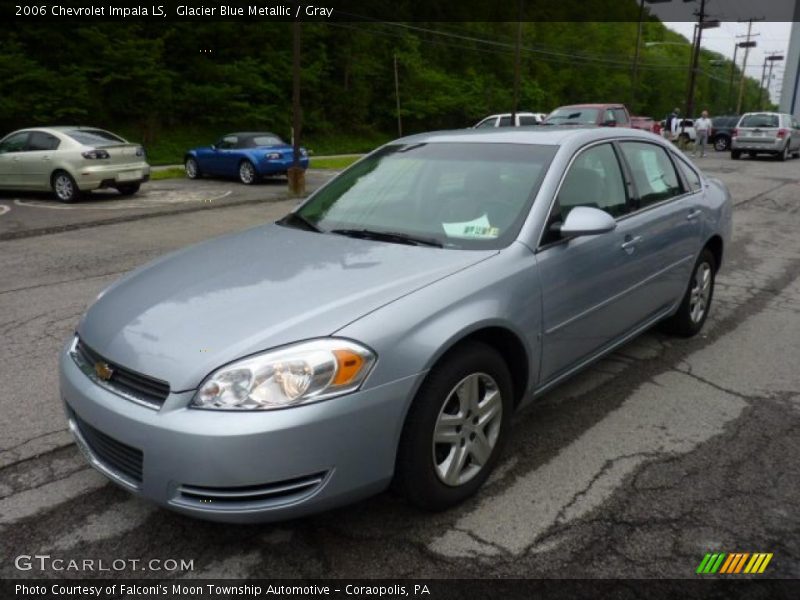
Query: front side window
{"type": "Point", "coordinates": [594, 180]}
{"type": "Point", "coordinates": [505, 121]}
{"type": "Point", "coordinates": [527, 120]}
{"type": "Point", "coordinates": [460, 195]}
{"type": "Point", "coordinates": [14, 143]}
{"type": "Point", "coordinates": [227, 142]}
{"type": "Point", "coordinates": [652, 171]}
{"type": "Point", "coordinates": [620, 115]}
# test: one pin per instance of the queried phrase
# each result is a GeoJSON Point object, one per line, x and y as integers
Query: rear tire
{"type": "Point", "coordinates": [455, 429]}
{"type": "Point", "coordinates": [129, 189]}
{"type": "Point", "coordinates": [736, 154]}
{"type": "Point", "coordinates": [64, 187]}
{"type": "Point", "coordinates": [721, 143]}
{"type": "Point", "coordinates": [693, 311]}
{"type": "Point", "coordinates": [783, 155]}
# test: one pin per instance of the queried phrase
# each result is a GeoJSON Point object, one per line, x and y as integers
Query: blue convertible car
{"type": "Point", "coordinates": [246, 155]}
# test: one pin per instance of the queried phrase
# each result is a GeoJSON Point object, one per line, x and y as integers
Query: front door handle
{"type": "Point", "coordinates": [630, 245]}
{"type": "Point", "coordinates": [47, 158]}
{"type": "Point", "coordinates": [694, 214]}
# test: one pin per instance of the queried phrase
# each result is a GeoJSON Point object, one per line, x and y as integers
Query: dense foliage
{"type": "Point", "coordinates": [152, 80]}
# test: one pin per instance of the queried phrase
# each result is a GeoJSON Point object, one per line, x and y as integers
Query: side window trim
{"type": "Point", "coordinates": [541, 244]}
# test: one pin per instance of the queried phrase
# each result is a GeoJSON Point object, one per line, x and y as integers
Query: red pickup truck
{"type": "Point", "coordinates": [604, 115]}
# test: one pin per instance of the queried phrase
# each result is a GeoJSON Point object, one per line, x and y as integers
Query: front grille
{"type": "Point", "coordinates": [113, 454]}
{"type": "Point", "coordinates": [149, 390]}
{"type": "Point", "coordinates": [251, 496]}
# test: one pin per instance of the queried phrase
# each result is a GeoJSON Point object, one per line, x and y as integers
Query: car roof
{"type": "Point", "coordinates": [251, 133]}
{"type": "Point", "coordinates": [605, 105]}
{"type": "Point", "coordinates": [534, 135]}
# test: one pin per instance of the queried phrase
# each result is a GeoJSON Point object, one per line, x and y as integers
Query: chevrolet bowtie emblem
{"type": "Point", "coordinates": [103, 370]}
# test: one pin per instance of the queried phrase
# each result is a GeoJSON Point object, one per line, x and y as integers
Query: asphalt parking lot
{"type": "Point", "coordinates": [664, 451]}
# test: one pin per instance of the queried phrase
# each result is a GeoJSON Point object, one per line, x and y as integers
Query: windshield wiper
{"type": "Point", "coordinates": [388, 236]}
{"type": "Point", "coordinates": [294, 219]}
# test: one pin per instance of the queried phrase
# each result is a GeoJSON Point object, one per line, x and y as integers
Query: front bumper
{"type": "Point", "coordinates": [240, 466]}
{"type": "Point", "coordinates": [108, 176]}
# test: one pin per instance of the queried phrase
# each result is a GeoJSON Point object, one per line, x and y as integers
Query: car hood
{"type": "Point", "coordinates": [190, 312]}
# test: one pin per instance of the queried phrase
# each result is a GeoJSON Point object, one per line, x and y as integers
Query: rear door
{"type": "Point", "coordinates": [666, 219]}
{"type": "Point", "coordinates": [759, 128]}
{"type": "Point", "coordinates": [12, 150]}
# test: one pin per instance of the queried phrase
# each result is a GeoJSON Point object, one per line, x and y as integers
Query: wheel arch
{"type": "Point", "coordinates": [716, 246]}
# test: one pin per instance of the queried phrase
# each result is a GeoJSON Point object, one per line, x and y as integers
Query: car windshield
{"type": "Point", "coordinates": [568, 116]}
{"type": "Point", "coordinates": [94, 137]}
{"type": "Point", "coordinates": [759, 121]}
{"type": "Point", "coordinates": [454, 195]}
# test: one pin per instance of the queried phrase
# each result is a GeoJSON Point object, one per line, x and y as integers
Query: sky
{"type": "Point", "coordinates": [772, 31]}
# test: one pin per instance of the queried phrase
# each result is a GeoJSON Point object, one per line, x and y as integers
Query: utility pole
{"type": "Point", "coordinates": [296, 175]}
{"type": "Point", "coordinates": [636, 51]}
{"type": "Point", "coordinates": [701, 24]}
{"type": "Point", "coordinates": [733, 72]}
{"type": "Point", "coordinates": [771, 59]}
{"type": "Point", "coordinates": [744, 63]}
{"type": "Point", "coordinates": [761, 85]}
{"type": "Point", "coordinates": [517, 68]}
{"type": "Point", "coordinates": [397, 98]}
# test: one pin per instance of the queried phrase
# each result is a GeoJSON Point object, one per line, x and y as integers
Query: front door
{"type": "Point", "coordinates": [12, 149]}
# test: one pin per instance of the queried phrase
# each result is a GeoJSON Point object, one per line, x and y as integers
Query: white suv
{"type": "Point", "coordinates": [504, 120]}
{"type": "Point", "coordinates": [766, 132]}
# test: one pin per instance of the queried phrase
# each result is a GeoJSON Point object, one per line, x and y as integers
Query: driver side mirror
{"type": "Point", "coordinates": [585, 220]}
{"type": "Point", "coordinates": [213, 146]}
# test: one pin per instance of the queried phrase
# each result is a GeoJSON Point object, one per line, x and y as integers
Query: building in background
{"type": "Point", "coordinates": [790, 92]}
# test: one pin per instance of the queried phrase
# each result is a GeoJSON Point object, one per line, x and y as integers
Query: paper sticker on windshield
{"type": "Point", "coordinates": [479, 228]}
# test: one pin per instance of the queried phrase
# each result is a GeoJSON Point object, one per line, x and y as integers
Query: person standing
{"type": "Point", "coordinates": [672, 124]}
{"type": "Point", "coordinates": [702, 128]}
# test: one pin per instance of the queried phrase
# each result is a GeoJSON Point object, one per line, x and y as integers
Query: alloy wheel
{"type": "Point", "coordinates": [64, 188]}
{"type": "Point", "coordinates": [467, 429]}
{"type": "Point", "coordinates": [191, 169]}
{"type": "Point", "coordinates": [700, 292]}
{"type": "Point", "coordinates": [247, 173]}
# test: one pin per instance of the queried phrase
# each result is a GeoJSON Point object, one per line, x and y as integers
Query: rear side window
{"type": "Point", "coordinates": [620, 115]}
{"type": "Point", "coordinates": [265, 140]}
{"type": "Point", "coordinates": [505, 122]}
{"type": "Point", "coordinates": [689, 174]}
{"type": "Point", "coordinates": [43, 141]}
{"type": "Point", "coordinates": [94, 137]}
{"type": "Point", "coordinates": [653, 172]}
{"type": "Point", "coordinates": [527, 120]}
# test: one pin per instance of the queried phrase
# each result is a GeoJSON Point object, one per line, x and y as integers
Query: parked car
{"type": "Point", "coordinates": [604, 115]}
{"type": "Point", "coordinates": [70, 161]}
{"type": "Point", "coordinates": [722, 131]}
{"type": "Point", "coordinates": [248, 156]}
{"type": "Point", "coordinates": [645, 124]}
{"type": "Point", "coordinates": [766, 133]}
{"type": "Point", "coordinates": [504, 120]}
{"type": "Point", "coordinates": [686, 130]}
{"type": "Point", "coordinates": [388, 328]}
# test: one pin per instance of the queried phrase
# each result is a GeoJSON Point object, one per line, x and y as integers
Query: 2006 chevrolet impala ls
{"type": "Point", "coordinates": [386, 330]}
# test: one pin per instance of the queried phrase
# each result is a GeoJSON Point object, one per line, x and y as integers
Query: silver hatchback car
{"type": "Point", "coordinates": [69, 161]}
{"type": "Point", "coordinates": [386, 330]}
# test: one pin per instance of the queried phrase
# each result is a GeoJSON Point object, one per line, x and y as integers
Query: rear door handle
{"type": "Point", "coordinates": [694, 214]}
{"type": "Point", "coordinates": [47, 158]}
{"type": "Point", "coordinates": [630, 245]}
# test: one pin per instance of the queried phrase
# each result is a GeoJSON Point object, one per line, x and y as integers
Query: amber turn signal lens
{"type": "Point", "coordinates": [349, 364]}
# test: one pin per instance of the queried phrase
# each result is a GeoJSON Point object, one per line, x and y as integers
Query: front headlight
{"type": "Point", "coordinates": [296, 374]}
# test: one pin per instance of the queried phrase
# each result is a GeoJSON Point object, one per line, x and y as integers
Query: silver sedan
{"type": "Point", "coordinates": [69, 161]}
{"type": "Point", "coordinates": [388, 328]}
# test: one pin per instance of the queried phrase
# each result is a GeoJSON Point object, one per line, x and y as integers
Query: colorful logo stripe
{"type": "Point", "coordinates": [734, 563]}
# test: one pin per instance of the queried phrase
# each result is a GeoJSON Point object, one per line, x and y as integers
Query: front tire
{"type": "Point", "coordinates": [247, 172]}
{"type": "Point", "coordinates": [456, 428]}
{"type": "Point", "coordinates": [192, 168]}
{"type": "Point", "coordinates": [64, 187]}
{"type": "Point", "coordinates": [693, 311]}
